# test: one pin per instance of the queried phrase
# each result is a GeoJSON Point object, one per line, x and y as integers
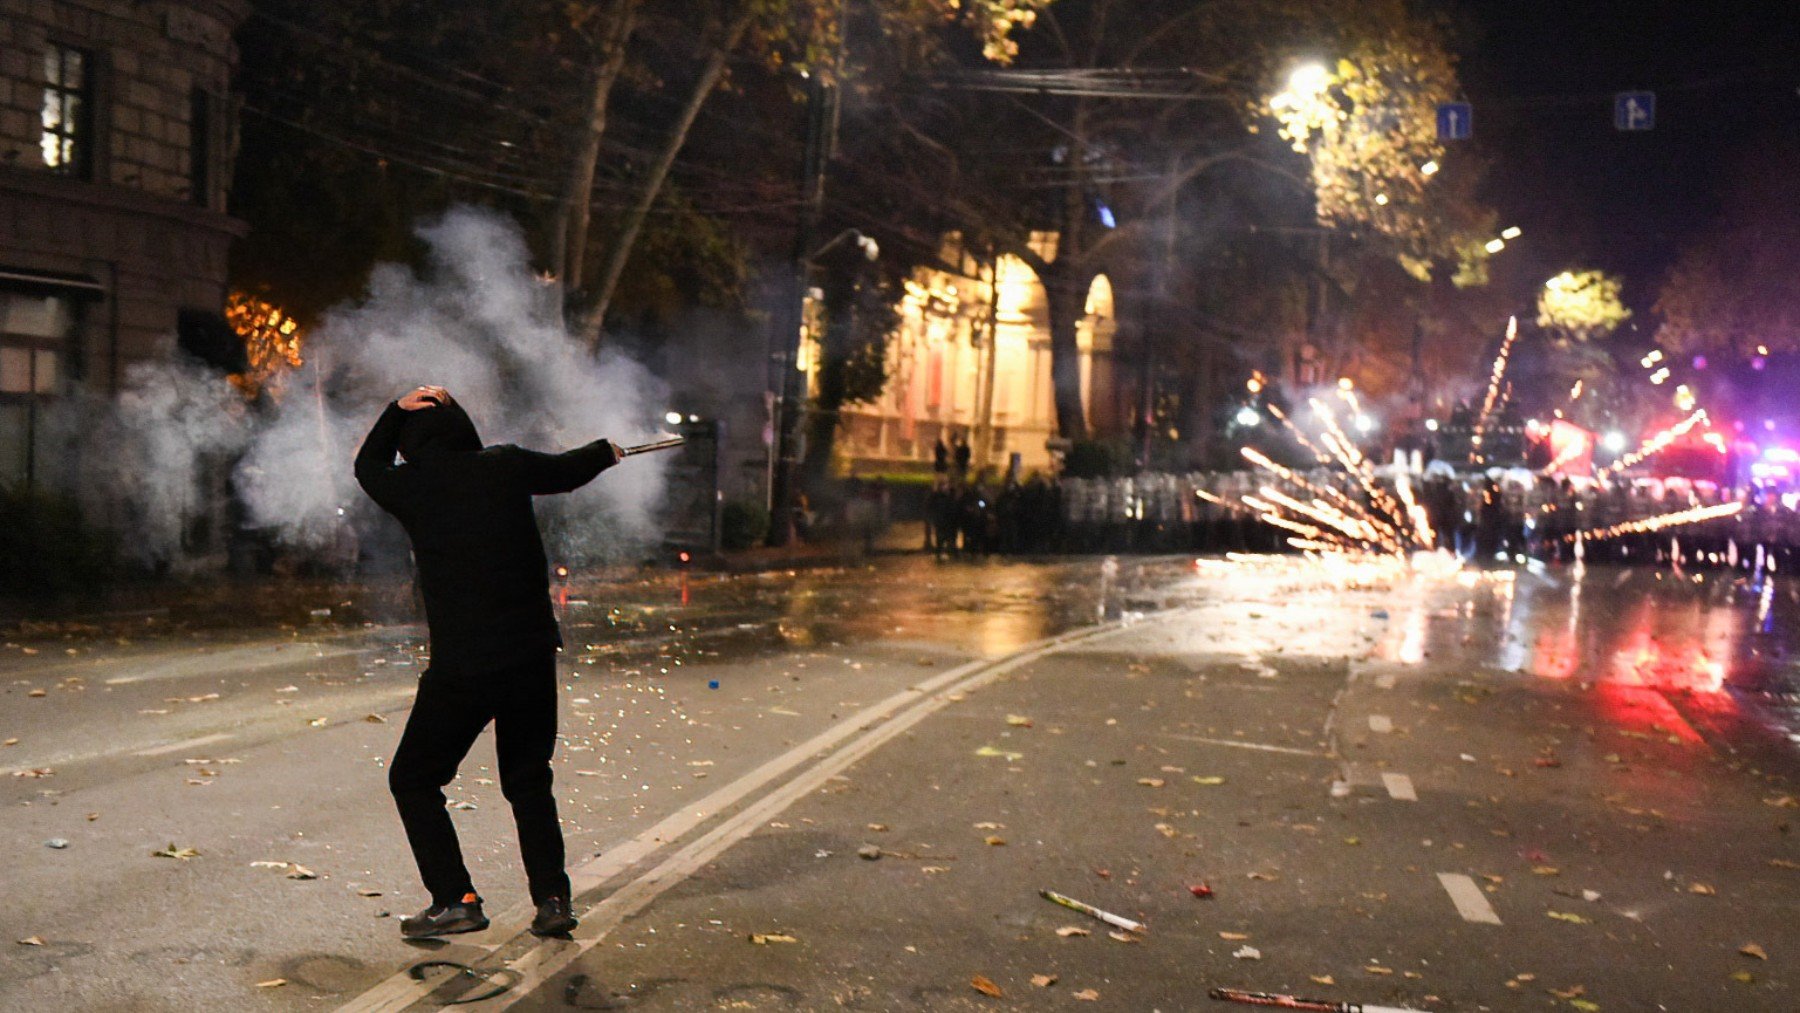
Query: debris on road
{"type": "Point", "coordinates": [1010, 757]}
{"type": "Point", "coordinates": [1753, 950]}
{"type": "Point", "coordinates": [1087, 995]}
{"type": "Point", "coordinates": [869, 851]}
{"type": "Point", "coordinates": [1200, 889]}
{"type": "Point", "coordinates": [32, 941]}
{"type": "Point", "coordinates": [1088, 909]}
{"type": "Point", "coordinates": [174, 852]}
{"type": "Point", "coordinates": [1043, 980]}
{"type": "Point", "coordinates": [1249, 998]}
{"type": "Point", "coordinates": [765, 938]}
{"type": "Point", "coordinates": [985, 986]}
{"type": "Point", "coordinates": [1072, 930]}
{"type": "Point", "coordinates": [58, 843]}
{"type": "Point", "coordinates": [1247, 953]}
{"type": "Point", "coordinates": [272, 983]}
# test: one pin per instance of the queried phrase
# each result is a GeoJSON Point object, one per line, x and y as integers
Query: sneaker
{"type": "Point", "coordinates": [554, 918]}
{"type": "Point", "coordinates": [446, 919]}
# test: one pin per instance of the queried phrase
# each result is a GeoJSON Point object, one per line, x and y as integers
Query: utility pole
{"type": "Point", "coordinates": [790, 380]}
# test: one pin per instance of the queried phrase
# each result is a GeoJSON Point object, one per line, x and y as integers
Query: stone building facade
{"type": "Point", "coordinates": [117, 135]}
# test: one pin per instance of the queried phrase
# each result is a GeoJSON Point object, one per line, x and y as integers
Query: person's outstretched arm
{"type": "Point", "coordinates": [547, 474]}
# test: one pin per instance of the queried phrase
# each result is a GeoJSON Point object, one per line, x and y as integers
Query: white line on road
{"type": "Point", "coordinates": [1381, 723]}
{"type": "Point", "coordinates": [1468, 898]}
{"type": "Point", "coordinates": [174, 747]}
{"type": "Point", "coordinates": [1400, 786]}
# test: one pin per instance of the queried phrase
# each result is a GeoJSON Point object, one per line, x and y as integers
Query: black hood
{"type": "Point", "coordinates": [444, 429]}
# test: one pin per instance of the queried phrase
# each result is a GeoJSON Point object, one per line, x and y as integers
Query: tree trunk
{"type": "Point", "coordinates": [568, 234]}
{"type": "Point", "coordinates": [834, 361]}
{"type": "Point", "coordinates": [1065, 300]}
{"type": "Point", "coordinates": [619, 250]}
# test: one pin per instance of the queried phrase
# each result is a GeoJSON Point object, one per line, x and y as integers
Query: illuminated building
{"type": "Point", "coordinates": [946, 378]}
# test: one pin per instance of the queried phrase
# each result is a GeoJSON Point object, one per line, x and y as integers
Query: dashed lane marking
{"type": "Point", "coordinates": [185, 744]}
{"type": "Point", "coordinates": [1469, 901]}
{"type": "Point", "coordinates": [1400, 786]}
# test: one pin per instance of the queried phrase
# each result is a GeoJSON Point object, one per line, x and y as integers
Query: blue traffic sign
{"type": "Point", "coordinates": [1455, 121]}
{"type": "Point", "coordinates": [1634, 110]}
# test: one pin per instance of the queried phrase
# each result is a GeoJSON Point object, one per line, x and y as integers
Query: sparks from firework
{"type": "Point", "coordinates": [1657, 443]}
{"type": "Point", "coordinates": [271, 338]}
{"type": "Point", "coordinates": [1659, 522]}
{"type": "Point", "coordinates": [1570, 453]}
{"type": "Point", "coordinates": [1353, 461]}
{"type": "Point", "coordinates": [1493, 391]}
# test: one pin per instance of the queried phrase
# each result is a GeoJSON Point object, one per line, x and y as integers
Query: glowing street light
{"type": "Point", "coordinates": [1496, 245]}
{"type": "Point", "coordinates": [1614, 442]}
{"type": "Point", "coordinates": [1429, 168]}
{"type": "Point", "coordinates": [1308, 80]}
{"type": "Point", "coordinates": [1513, 232]}
{"type": "Point", "coordinates": [1248, 416]}
{"type": "Point", "coordinates": [1364, 424]}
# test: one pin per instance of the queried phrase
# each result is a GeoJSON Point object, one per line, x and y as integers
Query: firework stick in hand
{"type": "Point", "coordinates": [645, 448]}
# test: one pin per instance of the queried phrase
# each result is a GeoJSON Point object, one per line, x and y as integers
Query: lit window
{"type": "Point", "coordinates": [66, 112]}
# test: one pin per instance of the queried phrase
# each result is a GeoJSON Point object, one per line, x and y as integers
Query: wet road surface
{"type": "Point", "coordinates": [1365, 767]}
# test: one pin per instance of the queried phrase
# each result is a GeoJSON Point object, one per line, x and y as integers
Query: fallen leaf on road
{"type": "Point", "coordinates": [1072, 930]}
{"type": "Point", "coordinates": [993, 841]}
{"type": "Point", "coordinates": [1123, 937]}
{"type": "Point", "coordinates": [1018, 721]}
{"type": "Point", "coordinates": [1167, 831]}
{"type": "Point", "coordinates": [1236, 937]}
{"type": "Point", "coordinates": [375, 719]}
{"type": "Point", "coordinates": [1701, 888]}
{"type": "Point", "coordinates": [1353, 841]}
{"type": "Point", "coordinates": [272, 983]}
{"type": "Point", "coordinates": [1209, 781]}
{"type": "Point", "coordinates": [38, 692]}
{"type": "Point", "coordinates": [1151, 782]}
{"type": "Point", "coordinates": [990, 826]}
{"type": "Point", "coordinates": [366, 892]}
{"type": "Point", "coordinates": [985, 986]}
{"type": "Point", "coordinates": [318, 722]}
{"type": "Point", "coordinates": [298, 871]}
{"type": "Point", "coordinates": [765, 938]}
{"type": "Point", "coordinates": [1565, 916]}
{"type": "Point", "coordinates": [1573, 991]}
{"type": "Point", "coordinates": [1585, 1005]}
{"type": "Point", "coordinates": [1782, 863]}
{"type": "Point", "coordinates": [1744, 976]}
{"type": "Point", "coordinates": [32, 941]}
{"type": "Point", "coordinates": [463, 805]}
{"type": "Point", "coordinates": [1200, 890]}
{"type": "Point", "coordinates": [200, 782]}
{"type": "Point", "coordinates": [1378, 969]}
{"type": "Point", "coordinates": [1088, 995]}
{"type": "Point", "coordinates": [1043, 980]}
{"type": "Point", "coordinates": [1247, 953]}
{"type": "Point", "coordinates": [1783, 802]}
{"type": "Point", "coordinates": [929, 869]}
{"type": "Point", "coordinates": [268, 865]}
{"type": "Point", "coordinates": [991, 751]}
{"type": "Point", "coordinates": [10, 742]}
{"type": "Point", "coordinates": [1753, 950]}
{"type": "Point", "coordinates": [36, 772]}
{"type": "Point", "coordinates": [174, 852]}
{"type": "Point", "coordinates": [1322, 979]}
{"type": "Point", "coordinates": [1267, 877]}
{"type": "Point", "coordinates": [877, 827]}
{"type": "Point", "coordinates": [1546, 870]}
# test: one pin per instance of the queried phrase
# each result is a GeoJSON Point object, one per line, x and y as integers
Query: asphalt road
{"type": "Point", "coordinates": [1476, 791]}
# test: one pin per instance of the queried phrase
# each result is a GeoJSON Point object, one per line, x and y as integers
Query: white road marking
{"type": "Point", "coordinates": [877, 724]}
{"type": "Point", "coordinates": [1400, 786]}
{"type": "Point", "coordinates": [1385, 680]}
{"type": "Point", "coordinates": [1469, 901]}
{"type": "Point", "coordinates": [1381, 723]}
{"type": "Point", "coordinates": [185, 744]}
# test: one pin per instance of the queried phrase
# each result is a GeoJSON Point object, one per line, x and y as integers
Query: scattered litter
{"type": "Point", "coordinates": [366, 892]}
{"type": "Point", "coordinates": [272, 983]}
{"type": "Point", "coordinates": [1247, 953]}
{"type": "Point", "coordinates": [298, 871]}
{"type": "Point", "coordinates": [1087, 995]}
{"type": "Point", "coordinates": [1234, 937]}
{"type": "Point", "coordinates": [1783, 802]}
{"type": "Point", "coordinates": [765, 938]}
{"type": "Point", "coordinates": [1744, 976]}
{"type": "Point", "coordinates": [58, 843]}
{"type": "Point", "coordinates": [1072, 930]}
{"type": "Point", "coordinates": [1590, 895]}
{"type": "Point", "coordinates": [375, 719]}
{"type": "Point", "coordinates": [1088, 909]}
{"type": "Point", "coordinates": [822, 853]}
{"type": "Point", "coordinates": [1783, 863]}
{"type": "Point", "coordinates": [1249, 998]}
{"type": "Point", "coordinates": [319, 722]}
{"type": "Point", "coordinates": [985, 986]}
{"type": "Point", "coordinates": [1567, 916]}
{"type": "Point", "coordinates": [1151, 782]}
{"type": "Point", "coordinates": [32, 941]}
{"type": "Point", "coordinates": [462, 804]}
{"type": "Point", "coordinates": [10, 742]}
{"type": "Point", "coordinates": [1200, 889]}
{"type": "Point", "coordinates": [712, 684]}
{"type": "Point", "coordinates": [1043, 980]}
{"type": "Point", "coordinates": [1007, 755]}
{"type": "Point", "coordinates": [1703, 889]}
{"type": "Point", "coordinates": [876, 827]}
{"type": "Point", "coordinates": [1322, 979]}
{"type": "Point", "coordinates": [38, 692]}
{"type": "Point", "coordinates": [1468, 758]}
{"type": "Point", "coordinates": [994, 841]}
{"type": "Point", "coordinates": [174, 852]}
{"type": "Point", "coordinates": [1018, 721]}
{"type": "Point", "coordinates": [1378, 969]}
{"type": "Point", "coordinates": [1209, 781]}
{"type": "Point", "coordinates": [869, 851]}
{"type": "Point", "coordinates": [1753, 950]}
{"type": "Point", "coordinates": [1267, 877]}
{"type": "Point", "coordinates": [35, 772]}
{"type": "Point", "coordinates": [288, 689]}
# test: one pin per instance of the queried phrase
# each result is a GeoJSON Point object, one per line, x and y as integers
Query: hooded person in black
{"type": "Point", "coordinates": [486, 585]}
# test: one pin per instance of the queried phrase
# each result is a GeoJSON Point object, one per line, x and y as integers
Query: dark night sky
{"type": "Point", "coordinates": [1542, 76]}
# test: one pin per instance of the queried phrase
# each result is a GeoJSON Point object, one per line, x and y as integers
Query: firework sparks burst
{"type": "Point", "coordinates": [1491, 401]}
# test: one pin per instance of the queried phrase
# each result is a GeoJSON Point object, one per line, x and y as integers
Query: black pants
{"type": "Point", "coordinates": [449, 712]}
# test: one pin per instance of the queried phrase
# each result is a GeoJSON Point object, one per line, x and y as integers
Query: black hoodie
{"type": "Point", "coordinates": [468, 512]}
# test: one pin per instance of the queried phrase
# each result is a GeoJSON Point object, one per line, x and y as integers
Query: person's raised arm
{"type": "Point", "coordinates": [546, 474]}
{"type": "Point", "coordinates": [375, 470]}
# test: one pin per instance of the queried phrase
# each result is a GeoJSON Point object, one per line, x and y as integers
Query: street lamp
{"type": "Point", "coordinates": [1248, 416]}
